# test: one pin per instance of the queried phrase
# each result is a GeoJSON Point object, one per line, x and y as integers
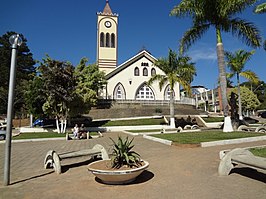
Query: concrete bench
{"type": "Point", "coordinates": [53, 160]}
{"type": "Point", "coordinates": [180, 129]}
{"type": "Point", "coordinates": [88, 136]}
{"type": "Point", "coordinates": [240, 156]}
{"type": "Point", "coordinates": [258, 129]}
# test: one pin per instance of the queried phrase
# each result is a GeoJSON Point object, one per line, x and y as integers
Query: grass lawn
{"type": "Point", "coordinates": [259, 152]}
{"type": "Point", "coordinates": [205, 136]}
{"type": "Point", "coordinates": [38, 135]}
{"type": "Point", "coordinates": [213, 119]}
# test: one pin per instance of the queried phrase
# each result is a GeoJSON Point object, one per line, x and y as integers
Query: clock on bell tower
{"type": "Point", "coordinates": [107, 23]}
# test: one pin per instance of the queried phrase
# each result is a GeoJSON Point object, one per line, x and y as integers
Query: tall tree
{"type": "Point", "coordinates": [259, 9]}
{"type": "Point", "coordinates": [258, 89]}
{"type": "Point", "coordinates": [24, 72]}
{"type": "Point", "coordinates": [177, 69]}
{"type": "Point", "coordinates": [35, 96]}
{"type": "Point", "coordinates": [220, 14]}
{"type": "Point", "coordinates": [89, 81]}
{"type": "Point", "coordinates": [250, 101]}
{"type": "Point", "coordinates": [59, 86]}
{"type": "Point", "coordinates": [236, 63]}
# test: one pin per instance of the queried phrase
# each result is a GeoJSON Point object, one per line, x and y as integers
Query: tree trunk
{"type": "Point", "coordinates": [223, 84]}
{"type": "Point", "coordinates": [239, 99]}
{"type": "Point", "coordinates": [222, 78]}
{"type": "Point", "coordinates": [57, 125]}
{"type": "Point", "coordinates": [65, 125]}
{"type": "Point", "coordinates": [172, 109]}
{"type": "Point", "coordinates": [62, 125]}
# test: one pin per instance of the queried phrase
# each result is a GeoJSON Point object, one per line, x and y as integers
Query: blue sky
{"type": "Point", "coordinates": [66, 30]}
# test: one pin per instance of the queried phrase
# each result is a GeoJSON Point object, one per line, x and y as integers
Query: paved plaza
{"type": "Point", "coordinates": [174, 172]}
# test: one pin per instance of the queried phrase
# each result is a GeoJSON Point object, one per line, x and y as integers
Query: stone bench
{"type": "Point", "coordinates": [180, 129]}
{"type": "Point", "coordinates": [258, 129]}
{"type": "Point", "coordinates": [238, 157]}
{"type": "Point", "coordinates": [53, 160]}
{"type": "Point", "coordinates": [88, 136]}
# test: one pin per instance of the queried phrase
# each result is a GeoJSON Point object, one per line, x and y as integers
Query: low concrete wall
{"type": "Point", "coordinates": [211, 124]}
{"type": "Point", "coordinates": [35, 130]}
{"type": "Point", "coordinates": [233, 141]}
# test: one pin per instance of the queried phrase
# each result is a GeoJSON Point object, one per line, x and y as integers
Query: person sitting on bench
{"type": "Point", "coordinates": [76, 131]}
{"type": "Point", "coordinates": [82, 132]}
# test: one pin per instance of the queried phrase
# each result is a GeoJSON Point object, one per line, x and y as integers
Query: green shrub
{"type": "Point", "coordinates": [122, 154]}
{"type": "Point", "coordinates": [158, 110]}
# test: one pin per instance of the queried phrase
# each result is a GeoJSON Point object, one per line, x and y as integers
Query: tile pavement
{"type": "Point", "coordinates": [174, 172]}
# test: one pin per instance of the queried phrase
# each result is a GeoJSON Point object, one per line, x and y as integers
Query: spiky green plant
{"type": "Point", "coordinates": [123, 155]}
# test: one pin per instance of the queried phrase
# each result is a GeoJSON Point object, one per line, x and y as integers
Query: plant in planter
{"type": "Point", "coordinates": [123, 167]}
{"type": "Point", "coordinates": [123, 156]}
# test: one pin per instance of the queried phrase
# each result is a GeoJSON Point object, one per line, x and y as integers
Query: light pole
{"type": "Point", "coordinates": [15, 41]}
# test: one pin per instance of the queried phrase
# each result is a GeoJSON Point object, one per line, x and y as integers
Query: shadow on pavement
{"type": "Point", "coordinates": [65, 168]}
{"type": "Point", "coordinates": [31, 178]}
{"type": "Point", "coordinates": [250, 173]}
{"type": "Point", "coordinates": [143, 177]}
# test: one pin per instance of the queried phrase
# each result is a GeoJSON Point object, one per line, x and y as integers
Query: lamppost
{"type": "Point", "coordinates": [15, 41]}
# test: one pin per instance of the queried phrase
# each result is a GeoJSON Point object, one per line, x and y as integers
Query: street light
{"type": "Point", "coordinates": [15, 41]}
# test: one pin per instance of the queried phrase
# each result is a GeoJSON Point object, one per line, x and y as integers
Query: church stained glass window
{"type": "Point", "coordinates": [153, 72]}
{"type": "Point", "coordinates": [145, 93]}
{"type": "Point", "coordinates": [136, 71]}
{"type": "Point", "coordinates": [119, 92]}
{"type": "Point", "coordinates": [145, 71]}
{"type": "Point", "coordinates": [167, 93]}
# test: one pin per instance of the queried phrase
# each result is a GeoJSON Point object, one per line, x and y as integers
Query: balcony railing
{"type": "Point", "coordinates": [183, 100]}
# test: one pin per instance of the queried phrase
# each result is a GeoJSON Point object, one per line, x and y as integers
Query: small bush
{"type": "Point", "coordinates": [122, 154]}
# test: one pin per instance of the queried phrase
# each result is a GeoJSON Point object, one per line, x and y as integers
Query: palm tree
{"type": "Point", "coordinates": [261, 8]}
{"type": "Point", "coordinates": [219, 14]}
{"type": "Point", "coordinates": [236, 63]}
{"type": "Point", "coordinates": [177, 69]}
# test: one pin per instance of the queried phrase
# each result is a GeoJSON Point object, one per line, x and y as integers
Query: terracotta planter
{"type": "Point", "coordinates": [113, 176]}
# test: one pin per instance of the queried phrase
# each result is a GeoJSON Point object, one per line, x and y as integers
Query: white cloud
{"type": "Point", "coordinates": [203, 53]}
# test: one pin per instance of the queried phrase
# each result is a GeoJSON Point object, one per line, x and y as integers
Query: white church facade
{"type": "Point", "coordinates": [128, 81]}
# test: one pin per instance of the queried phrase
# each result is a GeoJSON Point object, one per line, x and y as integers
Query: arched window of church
{"type": "Point", "coordinates": [119, 92]}
{"type": "Point", "coordinates": [167, 93]}
{"type": "Point", "coordinates": [107, 44]}
{"type": "Point", "coordinates": [112, 40]}
{"type": "Point", "coordinates": [145, 93]}
{"type": "Point", "coordinates": [102, 39]}
{"type": "Point", "coordinates": [136, 71]}
{"type": "Point", "coordinates": [145, 71]}
{"type": "Point", "coordinates": [153, 72]}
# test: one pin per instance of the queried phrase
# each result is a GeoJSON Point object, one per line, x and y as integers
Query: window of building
{"type": "Point", "coordinates": [119, 92]}
{"type": "Point", "coordinates": [136, 71]}
{"type": "Point", "coordinates": [145, 93]}
{"type": "Point", "coordinates": [144, 64]}
{"type": "Point", "coordinates": [145, 71]}
{"type": "Point", "coordinates": [153, 72]}
{"type": "Point", "coordinates": [102, 39]}
{"type": "Point", "coordinates": [167, 93]}
{"type": "Point", "coordinates": [107, 40]}
{"type": "Point", "coordinates": [112, 40]}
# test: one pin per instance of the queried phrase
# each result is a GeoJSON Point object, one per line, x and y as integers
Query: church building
{"type": "Point", "coordinates": [127, 81]}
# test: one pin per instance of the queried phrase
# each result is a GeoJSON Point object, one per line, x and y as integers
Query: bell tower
{"type": "Point", "coordinates": [107, 23]}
